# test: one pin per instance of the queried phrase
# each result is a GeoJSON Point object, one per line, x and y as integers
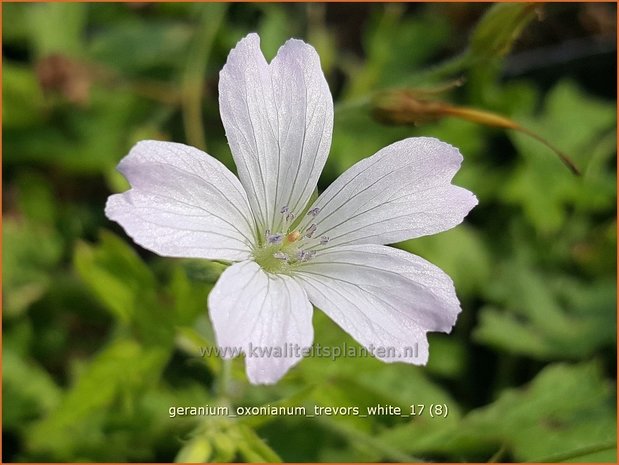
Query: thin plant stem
{"type": "Point", "coordinates": [439, 72]}
{"type": "Point", "coordinates": [192, 88]}
{"type": "Point", "coordinates": [225, 381]}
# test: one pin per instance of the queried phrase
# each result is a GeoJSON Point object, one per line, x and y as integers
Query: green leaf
{"type": "Point", "coordinates": [31, 251]}
{"type": "Point", "coordinates": [22, 99]}
{"type": "Point", "coordinates": [57, 28]}
{"type": "Point", "coordinates": [566, 408]}
{"type": "Point", "coordinates": [404, 386]}
{"type": "Point", "coordinates": [549, 317]}
{"type": "Point", "coordinates": [393, 49]}
{"type": "Point", "coordinates": [501, 25]}
{"type": "Point", "coordinates": [123, 367]}
{"type": "Point", "coordinates": [36, 198]}
{"type": "Point", "coordinates": [127, 288]}
{"type": "Point", "coordinates": [114, 272]}
{"type": "Point", "coordinates": [541, 185]}
{"type": "Point", "coordinates": [448, 355]}
{"type": "Point", "coordinates": [460, 252]}
{"type": "Point", "coordinates": [135, 46]}
{"type": "Point", "coordinates": [567, 411]}
{"type": "Point", "coordinates": [367, 447]}
{"type": "Point", "coordinates": [31, 391]}
{"type": "Point", "coordinates": [361, 382]}
{"type": "Point", "coordinates": [197, 450]}
{"type": "Point", "coordinates": [224, 444]}
{"type": "Point", "coordinates": [14, 25]}
{"type": "Point", "coordinates": [189, 296]}
{"type": "Point", "coordinates": [87, 139]}
{"type": "Point", "coordinates": [252, 448]}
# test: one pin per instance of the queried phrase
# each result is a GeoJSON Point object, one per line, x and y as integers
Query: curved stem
{"type": "Point", "coordinates": [193, 78]}
{"type": "Point", "coordinates": [491, 119]}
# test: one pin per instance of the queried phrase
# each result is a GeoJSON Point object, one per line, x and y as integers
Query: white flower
{"type": "Point", "coordinates": [289, 255]}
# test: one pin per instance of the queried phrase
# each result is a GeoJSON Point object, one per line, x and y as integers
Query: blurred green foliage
{"type": "Point", "coordinates": [101, 338]}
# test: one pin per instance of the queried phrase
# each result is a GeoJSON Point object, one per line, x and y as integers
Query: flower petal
{"type": "Point", "coordinates": [183, 203]}
{"type": "Point", "coordinates": [267, 316]}
{"type": "Point", "coordinates": [383, 297]}
{"type": "Point", "coordinates": [402, 192]}
{"type": "Point", "coordinates": [278, 120]}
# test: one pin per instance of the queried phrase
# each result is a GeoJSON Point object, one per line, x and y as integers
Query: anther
{"type": "Point", "coordinates": [324, 240]}
{"type": "Point", "coordinates": [309, 232]}
{"type": "Point", "coordinates": [313, 211]}
{"type": "Point", "coordinates": [284, 210]}
{"type": "Point", "coordinates": [280, 256]}
{"type": "Point", "coordinates": [305, 255]}
{"type": "Point", "coordinates": [289, 217]}
{"type": "Point", "coordinates": [275, 238]}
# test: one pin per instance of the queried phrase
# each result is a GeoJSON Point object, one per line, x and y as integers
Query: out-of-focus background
{"type": "Point", "coordinates": [101, 338]}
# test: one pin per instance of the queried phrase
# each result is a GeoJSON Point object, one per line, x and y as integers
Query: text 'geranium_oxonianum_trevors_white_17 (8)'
{"type": "Point", "coordinates": [287, 253]}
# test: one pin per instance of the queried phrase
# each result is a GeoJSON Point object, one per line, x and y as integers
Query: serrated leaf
{"type": "Point", "coordinates": [29, 391]}
{"type": "Point", "coordinates": [30, 251]}
{"type": "Point", "coordinates": [565, 408]}
{"type": "Point", "coordinates": [540, 185]}
{"type": "Point", "coordinates": [548, 317]}
{"type": "Point", "coordinates": [115, 273]}
{"type": "Point", "coordinates": [121, 367]}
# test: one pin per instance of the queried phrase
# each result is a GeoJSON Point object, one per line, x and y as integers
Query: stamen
{"type": "Point", "coordinates": [289, 217]}
{"type": "Point", "coordinates": [309, 232]}
{"type": "Point", "coordinates": [280, 256]}
{"type": "Point", "coordinates": [275, 238]}
{"type": "Point", "coordinates": [284, 210]}
{"type": "Point", "coordinates": [324, 240]}
{"type": "Point", "coordinates": [313, 211]}
{"type": "Point", "coordinates": [305, 255]}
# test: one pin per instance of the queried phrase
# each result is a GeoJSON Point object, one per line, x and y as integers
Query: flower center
{"type": "Point", "coordinates": [282, 252]}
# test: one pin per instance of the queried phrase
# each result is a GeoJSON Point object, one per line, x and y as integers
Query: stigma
{"type": "Point", "coordinates": [283, 251]}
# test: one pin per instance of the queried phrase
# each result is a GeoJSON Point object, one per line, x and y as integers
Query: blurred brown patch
{"type": "Point", "coordinates": [599, 19]}
{"type": "Point", "coordinates": [58, 74]}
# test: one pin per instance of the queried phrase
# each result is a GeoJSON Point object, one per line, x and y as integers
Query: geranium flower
{"type": "Point", "coordinates": [289, 254]}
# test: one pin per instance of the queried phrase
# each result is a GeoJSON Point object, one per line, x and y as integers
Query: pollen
{"type": "Point", "coordinates": [293, 236]}
{"type": "Point", "coordinates": [282, 252]}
